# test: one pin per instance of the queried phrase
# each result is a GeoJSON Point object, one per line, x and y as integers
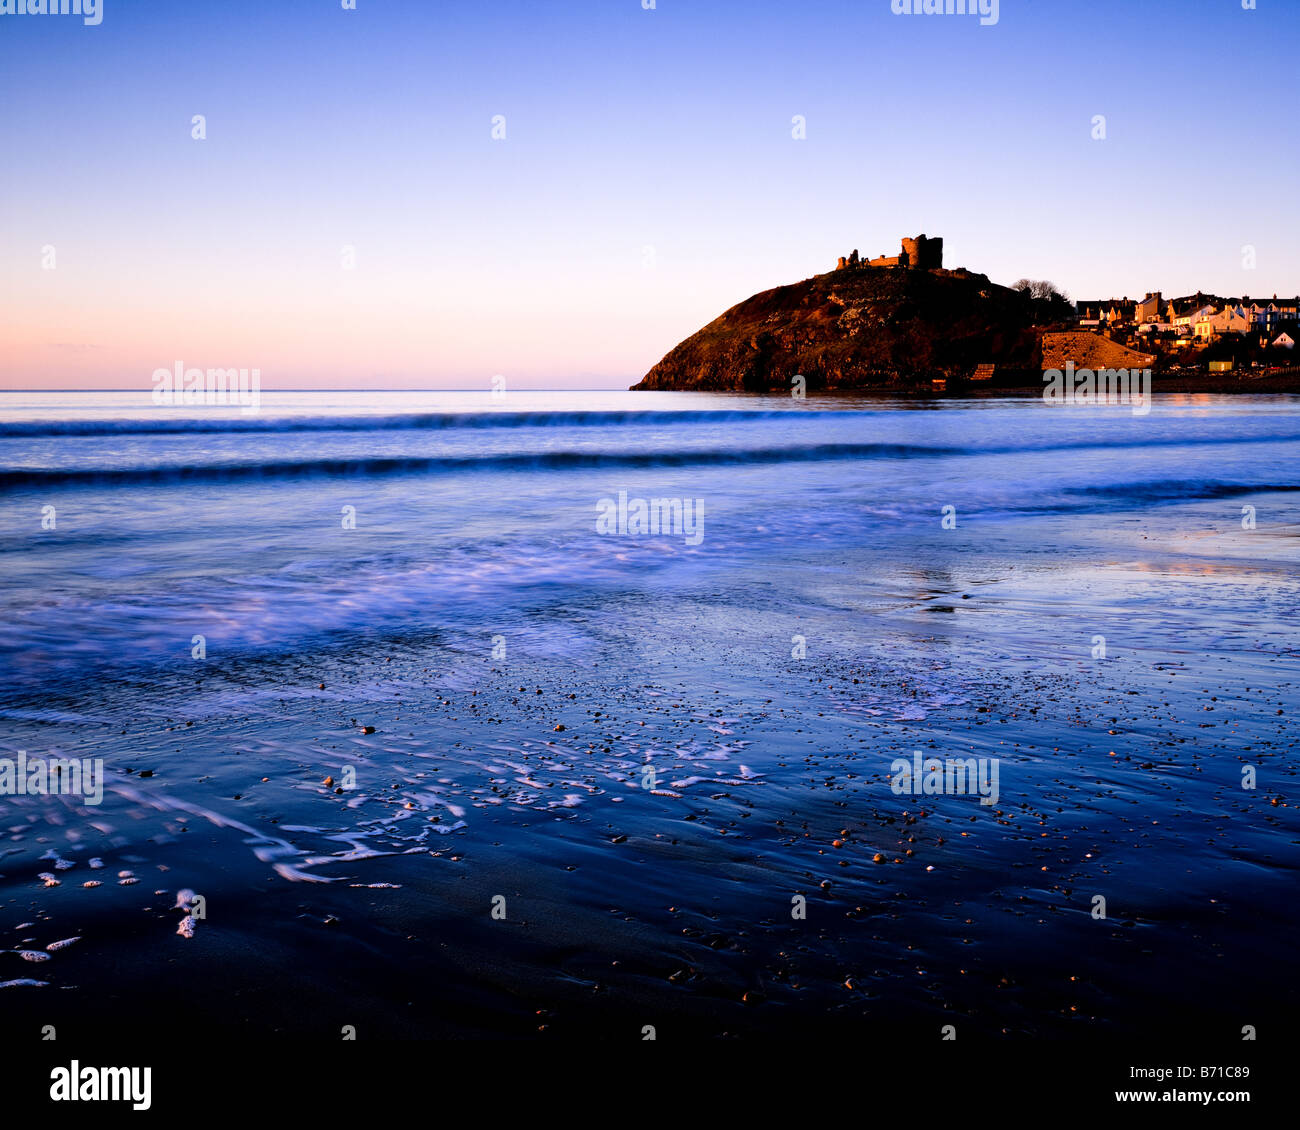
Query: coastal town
{"type": "Point", "coordinates": [1254, 326]}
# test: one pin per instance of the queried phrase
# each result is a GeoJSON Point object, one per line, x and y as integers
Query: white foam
{"type": "Point", "coordinates": [294, 874]}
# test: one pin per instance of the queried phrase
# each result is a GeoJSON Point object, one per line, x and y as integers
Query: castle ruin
{"type": "Point", "coordinates": [922, 253]}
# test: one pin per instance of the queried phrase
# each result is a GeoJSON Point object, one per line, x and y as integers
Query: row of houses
{"type": "Point", "coordinates": [1197, 317]}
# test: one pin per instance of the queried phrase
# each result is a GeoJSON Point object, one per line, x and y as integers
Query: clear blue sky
{"type": "Point", "coordinates": [626, 130]}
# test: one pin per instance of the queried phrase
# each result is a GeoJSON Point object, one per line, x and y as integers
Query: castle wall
{"type": "Point", "coordinates": [922, 253]}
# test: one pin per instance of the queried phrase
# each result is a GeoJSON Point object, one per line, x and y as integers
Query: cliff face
{"type": "Point", "coordinates": [870, 327]}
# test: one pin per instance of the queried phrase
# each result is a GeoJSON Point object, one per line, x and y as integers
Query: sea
{"type": "Point", "coordinates": [577, 713]}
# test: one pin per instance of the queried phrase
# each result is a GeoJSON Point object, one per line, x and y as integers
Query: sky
{"type": "Point", "coordinates": [350, 221]}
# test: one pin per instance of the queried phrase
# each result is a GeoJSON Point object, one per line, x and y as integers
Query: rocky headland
{"type": "Point", "coordinates": [903, 324]}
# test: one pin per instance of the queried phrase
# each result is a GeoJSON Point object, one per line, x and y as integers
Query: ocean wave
{"type": "Point", "coordinates": [471, 421]}
{"type": "Point", "coordinates": [363, 466]}
{"type": "Point", "coordinates": [430, 421]}
{"type": "Point", "coordinates": [1176, 490]}
{"type": "Point", "coordinates": [373, 467]}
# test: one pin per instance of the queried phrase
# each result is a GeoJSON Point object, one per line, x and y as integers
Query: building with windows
{"type": "Point", "coordinates": [1232, 319]}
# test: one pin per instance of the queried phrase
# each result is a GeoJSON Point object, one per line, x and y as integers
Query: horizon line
{"type": "Point", "coordinates": [488, 389]}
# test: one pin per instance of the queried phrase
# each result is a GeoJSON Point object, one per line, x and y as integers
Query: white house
{"type": "Point", "coordinates": [1229, 320]}
{"type": "Point", "coordinates": [1188, 316]}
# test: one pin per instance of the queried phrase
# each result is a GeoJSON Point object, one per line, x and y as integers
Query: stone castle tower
{"type": "Point", "coordinates": [921, 253]}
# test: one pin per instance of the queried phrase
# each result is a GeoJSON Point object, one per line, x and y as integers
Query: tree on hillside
{"type": "Point", "coordinates": [1050, 303]}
